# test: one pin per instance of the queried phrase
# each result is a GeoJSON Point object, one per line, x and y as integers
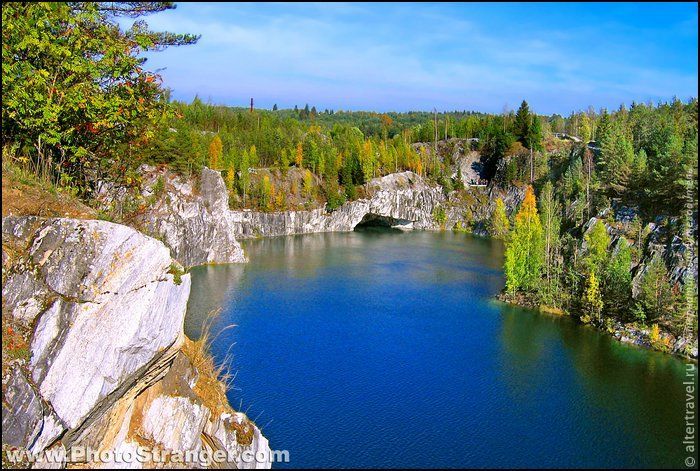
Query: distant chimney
{"type": "Point", "coordinates": [251, 105]}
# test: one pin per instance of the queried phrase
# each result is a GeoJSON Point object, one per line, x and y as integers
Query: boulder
{"type": "Point", "coordinates": [194, 222]}
{"type": "Point", "coordinates": [104, 306]}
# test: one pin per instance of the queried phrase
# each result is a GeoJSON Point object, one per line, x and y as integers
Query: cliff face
{"type": "Point", "coordinates": [102, 313]}
{"type": "Point", "coordinates": [402, 200]}
{"type": "Point", "coordinates": [190, 216]}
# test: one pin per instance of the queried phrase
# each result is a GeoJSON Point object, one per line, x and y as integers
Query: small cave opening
{"type": "Point", "coordinates": [375, 223]}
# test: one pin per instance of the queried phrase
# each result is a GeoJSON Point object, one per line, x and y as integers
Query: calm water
{"type": "Point", "coordinates": [384, 349]}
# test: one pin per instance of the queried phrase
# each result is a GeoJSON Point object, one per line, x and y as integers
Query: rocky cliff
{"type": "Point", "coordinates": [402, 200]}
{"type": "Point", "coordinates": [95, 355]}
{"type": "Point", "coordinates": [190, 215]}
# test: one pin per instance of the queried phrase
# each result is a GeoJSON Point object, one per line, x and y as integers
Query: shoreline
{"type": "Point", "coordinates": [628, 334]}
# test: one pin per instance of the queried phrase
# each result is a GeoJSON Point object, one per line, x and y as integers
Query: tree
{"type": "Point", "coordinates": [617, 159]}
{"type": "Point", "coordinates": [551, 222]}
{"type": "Point", "coordinates": [308, 184]}
{"type": "Point", "coordinates": [266, 200]}
{"type": "Point", "coordinates": [670, 160]}
{"type": "Point", "coordinates": [244, 175]}
{"type": "Point", "coordinates": [618, 281]}
{"type": "Point", "coordinates": [534, 143]}
{"type": "Point", "coordinates": [588, 159]}
{"type": "Point", "coordinates": [230, 175]}
{"type": "Point", "coordinates": [499, 224]}
{"type": "Point", "coordinates": [655, 293]}
{"type": "Point", "coordinates": [597, 242]}
{"type": "Point", "coordinates": [494, 145]}
{"type": "Point", "coordinates": [274, 107]}
{"type": "Point", "coordinates": [535, 134]}
{"type": "Point", "coordinates": [524, 255]}
{"type": "Point", "coordinates": [368, 160]}
{"type": "Point", "coordinates": [586, 128]}
{"type": "Point", "coordinates": [215, 148]}
{"type": "Point", "coordinates": [299, 156]}
{"type": "Point", "coordinates": [592, 300]}
{"type": "Point", "coordinates": [523, 121]}
{"type": "Point", "coordinates": [73, 87]}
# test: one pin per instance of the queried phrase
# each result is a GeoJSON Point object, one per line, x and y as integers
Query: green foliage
{"type": "Point", "coordinates": [617, 160]}
{"type": "Point", "coordinates": [535, 135]}
{"type": "Point", "coordinates": [334, 197]}
{"type": "Point", "coordinates": [440, 216]}
{"type": "Point", "coordinates": [618, 282]}
{"type": "Point", "coordinates": [159, 186]}
{"type": "Point", "coordinates": [524, 255]}
{"type": "Point", "coordinates": [551, 226]}
{"type": "Point", "coordinates": [523, 121]}
{"type": "Point", "coordinates": [308, 185]}
{"type": "Point", "coordinates": [592, 304]}
{"type": "Point", "coordinates": [265, 196]}
{"type": "Point", "coordinates": [177, 271]}
{"type": "Point", "coordinates": [499, 224]}
{"type": "Point", "coordinates": [597, 242]}
{"type": "Point", "coordinates": [656, 297]}
{"type": "Point", "coordinates": [73, 87]}
{"type": "Point", "coordinates": [244, 176]}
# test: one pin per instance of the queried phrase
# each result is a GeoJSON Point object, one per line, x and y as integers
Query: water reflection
{"type": "Point", "coordinates": [213, 290]}
{"type": "Point", "coordinates": [360, 345]}
{"type": "Point", "coordinates": [606, 382]}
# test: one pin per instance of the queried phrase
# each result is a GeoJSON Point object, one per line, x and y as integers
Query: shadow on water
{"type": "Point", "coordinates": [377, 224]}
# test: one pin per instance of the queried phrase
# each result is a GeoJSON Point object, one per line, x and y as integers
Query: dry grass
{"type": "Point", "coordinates": [215, 380]}
{"type": "Point", "coordinates": [25, 194]}
{"type": "Point", "coordinates": [552, 310]}
{"type": "Point", "coordinates": [15, 343]}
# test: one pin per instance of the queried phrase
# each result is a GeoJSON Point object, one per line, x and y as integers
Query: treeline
{"type": "Point", "coordinates": [644, 161]}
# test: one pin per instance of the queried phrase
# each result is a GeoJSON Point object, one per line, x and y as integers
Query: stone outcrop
{"type": "Point", "coordinates": [402, 200]}
{"type": "Point", "coordinates": [104, 306]}
{"type": "Point", "coordinates": [472, 209]}
{"type": "Point", "coordinates": [190, 216]}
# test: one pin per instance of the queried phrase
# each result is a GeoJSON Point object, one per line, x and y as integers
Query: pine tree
{"type": "Point", "coordinates": [655, 293]}
{"type": "Point", "coordinates": [618, 281]}
{"type": "Point", "coordinates": [535, 134]}
{"type": "Point", "coordinates": [523, 121]}
{"type": "Point", "coordinates": [616, 160]}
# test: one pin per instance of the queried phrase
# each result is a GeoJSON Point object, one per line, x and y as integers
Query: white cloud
{"type": "Point", "coordinates": [350, 56]}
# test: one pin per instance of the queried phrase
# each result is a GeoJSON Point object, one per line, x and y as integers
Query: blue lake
{"type": "Point", "coordinates": [378, 349]}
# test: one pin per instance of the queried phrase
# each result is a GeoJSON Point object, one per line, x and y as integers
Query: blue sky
{"type": "Point", "coordinates": [384, 57]}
